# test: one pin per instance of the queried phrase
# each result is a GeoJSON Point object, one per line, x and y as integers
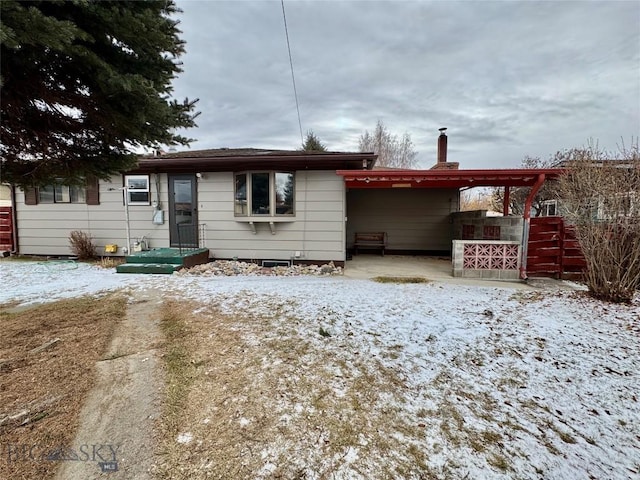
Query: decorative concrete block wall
{"type": "Point", "coordinates": [489, 259]}
{"type": "Point", "coordinates": [476, 225]}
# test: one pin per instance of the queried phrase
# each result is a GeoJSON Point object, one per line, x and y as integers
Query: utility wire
{"type": "Point", "coordinates": [293, 78]}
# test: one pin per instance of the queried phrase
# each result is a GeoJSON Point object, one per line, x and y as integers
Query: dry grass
{"type": "Point", "coordinates": [41, 393]}
{"type": "Point", "coordinates": [266, 402]}
{"type": "Point", "coordinates": [384, 279]}
{"type": "Point", "coordinates": [110, 262]}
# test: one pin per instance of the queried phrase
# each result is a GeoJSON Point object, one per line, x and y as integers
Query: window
{"type": "Point", "coordinates": [58, 193]}
{"type": "Point", "coordinates": [549, 208]}
{"type": "Point", "coordinates": [284, 193]}
{"type": "Point", "coordinates": [264, 194]}
{"type": "Point", "coordinates": [260, 202]}
{"type": "Point", "coordinates": [241, 194]}
{"type": "Point", "coordinates": [137, 187]}
{"type": "Point", "coordinates": [616, 206]}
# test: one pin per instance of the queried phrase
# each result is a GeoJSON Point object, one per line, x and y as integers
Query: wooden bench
{"type": "Point", "coordinates": [370, 240]}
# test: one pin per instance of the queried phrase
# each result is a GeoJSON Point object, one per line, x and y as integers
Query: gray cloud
{"type": "Point", "coordinates": [508, 78]}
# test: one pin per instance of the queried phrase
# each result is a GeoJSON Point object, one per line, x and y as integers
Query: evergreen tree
{"type": "Point", "coordinates": [83, 84]}
{"type": "Point", "coordinates": [312, 143]}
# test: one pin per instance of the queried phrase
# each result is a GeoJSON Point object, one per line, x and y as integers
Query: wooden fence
{"type": "Point", "coordinates": [553, 249]}
{"type": "Point", "coordinates": [6, 229]}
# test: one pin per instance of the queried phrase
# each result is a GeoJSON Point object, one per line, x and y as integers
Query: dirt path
{"type": "Point", "coordinates": [116, 422]}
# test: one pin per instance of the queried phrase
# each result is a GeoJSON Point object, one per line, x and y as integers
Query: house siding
{"type": "Point", "coordinates": [44, 228]}
{"type": "Point", "coordinates": [316, 231]}
{"type": "Point", "coordinates": [414, 219]}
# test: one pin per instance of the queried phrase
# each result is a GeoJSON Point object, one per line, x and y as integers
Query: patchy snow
{"type": "Point", "coordinates": [33, 282]}
{"type": "Point", "coordinates": [539, 384]}
{"type": "Point", "coordinates": [184, 438]}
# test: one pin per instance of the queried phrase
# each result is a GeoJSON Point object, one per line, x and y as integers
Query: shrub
{"type": "Point", "coordinates": [82, 245]}
{"type": "Point", "coordinates": [601, 197]}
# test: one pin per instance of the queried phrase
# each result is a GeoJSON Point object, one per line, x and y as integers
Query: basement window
{"type": "Point", "coordinates": [264, 194]}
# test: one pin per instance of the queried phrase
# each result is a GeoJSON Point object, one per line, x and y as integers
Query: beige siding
{"type": "Point", "coordinates": [316, 231]}
{"type": "Point", "coordinates": [5, 196]}
{"type": "Point", "coordinates": [44, 228]}
{"type": "Point", "coordinates": [414, 219]}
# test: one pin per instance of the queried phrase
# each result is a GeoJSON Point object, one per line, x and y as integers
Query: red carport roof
{"type": "Point", "coordinates": [446, 178]}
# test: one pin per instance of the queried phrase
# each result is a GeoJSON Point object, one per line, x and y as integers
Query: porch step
{"type": "Point", "coordinates": [166, 268]}
{"type": "Point", "coordinates": [187, 258]}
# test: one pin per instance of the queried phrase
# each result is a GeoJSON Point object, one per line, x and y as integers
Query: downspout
{"type": "Point", "coordinates": [14, 220]}
{"type": "Point", "coordinates": [526, 216]}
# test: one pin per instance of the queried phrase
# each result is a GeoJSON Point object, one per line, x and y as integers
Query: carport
{"type": "Point", "coordinates": [418, 209]}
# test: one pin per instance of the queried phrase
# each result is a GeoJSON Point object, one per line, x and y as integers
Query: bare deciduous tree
{"type": "Point", "coordinates": [392, 151]}
{"type": "Point", "coordinates": [518, 195]}
{"type": "Point", "coordinates": [477, 199]}
{"type": "Point", "coordinates": [601, 198]}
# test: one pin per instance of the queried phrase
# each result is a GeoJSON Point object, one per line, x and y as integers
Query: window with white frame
{"type": "Point", "coordinates": [137, 189]}
{"type": "Point", "coordinates": [264, 194]}
{"type": "Point", "coordinates": [549, 208]}
{"type": "Point", "coordinates": [621, 205]}
{"type": "Point", "coordinates": [58, 193]}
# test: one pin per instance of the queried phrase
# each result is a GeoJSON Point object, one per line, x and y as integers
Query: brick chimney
{"type": "Point", "coordinates": [442, 145]}
{"type": "Point", "coordinates": [442, 163]}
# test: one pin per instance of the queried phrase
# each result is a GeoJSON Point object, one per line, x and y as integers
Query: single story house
{"type": "Point", "coordinates": [257, 205]}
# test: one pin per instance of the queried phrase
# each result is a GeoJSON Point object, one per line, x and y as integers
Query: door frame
{"type": "Point", "coordinates": [173, 226]}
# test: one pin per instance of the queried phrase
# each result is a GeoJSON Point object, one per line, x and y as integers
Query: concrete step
{"type": "Point", "coordinates": [187, 258]}
{"type": "Point", "coordinates": [166, 268]}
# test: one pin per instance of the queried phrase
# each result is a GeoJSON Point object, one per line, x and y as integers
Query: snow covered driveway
{"type": "Point", "coordinates": [491, 382]}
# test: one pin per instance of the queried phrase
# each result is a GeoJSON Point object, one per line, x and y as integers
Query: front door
{"type": "Point", "coordinates": [183, 211]}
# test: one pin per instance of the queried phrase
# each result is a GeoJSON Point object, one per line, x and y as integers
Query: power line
{"type": "Point", "coordinates": [293, 78]}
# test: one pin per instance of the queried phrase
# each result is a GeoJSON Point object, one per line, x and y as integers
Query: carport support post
{"type": "Point", "coordinates": [527, 223]}
{"type": "Point", "coordinates": [506, 201]}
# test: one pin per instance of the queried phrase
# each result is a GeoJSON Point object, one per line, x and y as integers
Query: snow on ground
{"type": "Point", "coordinates": [507, 383]}
{"type": "Point", "coordinates": [33, 282]}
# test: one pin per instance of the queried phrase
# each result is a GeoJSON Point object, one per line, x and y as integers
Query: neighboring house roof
{"type": "Point", "coordinates": [230, 159]}
{"type": "Point", "coordinates": [447, 178]}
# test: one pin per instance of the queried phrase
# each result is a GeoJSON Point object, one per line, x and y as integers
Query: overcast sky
{"type": "Point", "coordinates": [508, 79]}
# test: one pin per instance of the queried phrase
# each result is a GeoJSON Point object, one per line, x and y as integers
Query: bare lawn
{"type": "Point", "coordinates": [320, 378]}
{"type": "Point", "coordinates": [47, 366]}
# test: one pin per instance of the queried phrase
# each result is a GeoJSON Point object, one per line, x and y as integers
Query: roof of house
{"type": "Point", "coordinates": [232, 159]}
{"type": "Point", "coordinates": [446, 178]}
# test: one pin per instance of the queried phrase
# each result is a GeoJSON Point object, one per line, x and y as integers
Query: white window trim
{"type": "Point", "coordinates": [634, 207]}
{"type": "Point", "coordinates": [545, 210]}
{"type": "Point", "coordinates": [272, 196]}
{"type": "Point", "coordinates": [146, 190]}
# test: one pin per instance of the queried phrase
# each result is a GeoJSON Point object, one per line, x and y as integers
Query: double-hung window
{"type": "Point", "coordinates": [265, 194]}
{"type": "Point", "coordinates": [137, 189]}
